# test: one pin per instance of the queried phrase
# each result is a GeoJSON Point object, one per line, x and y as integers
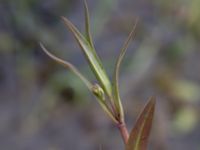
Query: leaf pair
{"type": "Point", "coordinates": [138, 138]}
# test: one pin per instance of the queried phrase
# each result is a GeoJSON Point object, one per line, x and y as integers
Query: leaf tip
{"type": "Point", "coordinates": [65, 20]}
{"type": "Point", "coordinates": [62, 17]}
{"type": "Point", "coordinates": [152, 101]}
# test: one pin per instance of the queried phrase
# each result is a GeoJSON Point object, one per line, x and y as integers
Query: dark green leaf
{"type": "Point", "coordinates": [92, 57]}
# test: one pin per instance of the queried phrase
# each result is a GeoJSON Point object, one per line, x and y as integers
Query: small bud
{"type": "Point", "coordinates": [98, 91]}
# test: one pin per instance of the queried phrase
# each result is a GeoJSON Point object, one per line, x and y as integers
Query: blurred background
{"type": "Point", "coordinates": [43, 106]}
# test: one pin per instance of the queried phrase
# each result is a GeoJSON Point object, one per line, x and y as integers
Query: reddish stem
{"type": "Point", "coordinates": [124, 132]}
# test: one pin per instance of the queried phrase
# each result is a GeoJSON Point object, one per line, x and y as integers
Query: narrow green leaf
{"type": "Point", "coordinates": [116, 73]}
{"type": "Point", "coordinates": [138, 138]}
{"type": "Point", "coordinates": [106, 108]}
{"type": "Point", "coordinates": [67, 65]}
{"type": "Point", "coordinates": [87, 25]}
{"type": "Point", "coordinates": [91, 87]}
{"type": "Point", "coordinates": [92, 58]}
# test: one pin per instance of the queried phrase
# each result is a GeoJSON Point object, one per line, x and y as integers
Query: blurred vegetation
{"type": "Point", "coordinates": [42, 103]}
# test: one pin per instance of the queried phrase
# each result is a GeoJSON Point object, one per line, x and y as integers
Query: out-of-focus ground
{"type": "Point", "coordinates": [45, 107]}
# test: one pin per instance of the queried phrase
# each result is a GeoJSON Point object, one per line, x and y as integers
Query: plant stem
{"type": "Point", "coordinates": [123, 130]}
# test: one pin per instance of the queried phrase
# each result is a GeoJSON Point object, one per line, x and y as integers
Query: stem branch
{"type": "Point", "coordinates": [123, 130]}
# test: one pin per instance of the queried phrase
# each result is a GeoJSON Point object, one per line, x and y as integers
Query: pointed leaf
{"type": "Point", "coordinates": [139, 135]}
{"type": "Point", "coordinates": [87, 25]}
{"type": "Point", "coordinates": [67, 65]}
{"type": "Point", "coordinates": [92, 58]}
{"type": "Point", "coordinates": [116, 73]}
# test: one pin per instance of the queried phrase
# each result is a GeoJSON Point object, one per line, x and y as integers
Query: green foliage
{"type": "Point", "coordinates": [91, 56]}
{"type": "Point", "coordinates": [107, 92]}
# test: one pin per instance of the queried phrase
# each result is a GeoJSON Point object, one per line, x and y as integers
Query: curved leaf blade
{"type": "Point", "coordinates": [118, 103]}
{"type": "Point", "coordinates": [91, 56]}
{"type": "Point", "coordinates": [138, 138]}
{"type": "Point", "coordinates": [67, 65]}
